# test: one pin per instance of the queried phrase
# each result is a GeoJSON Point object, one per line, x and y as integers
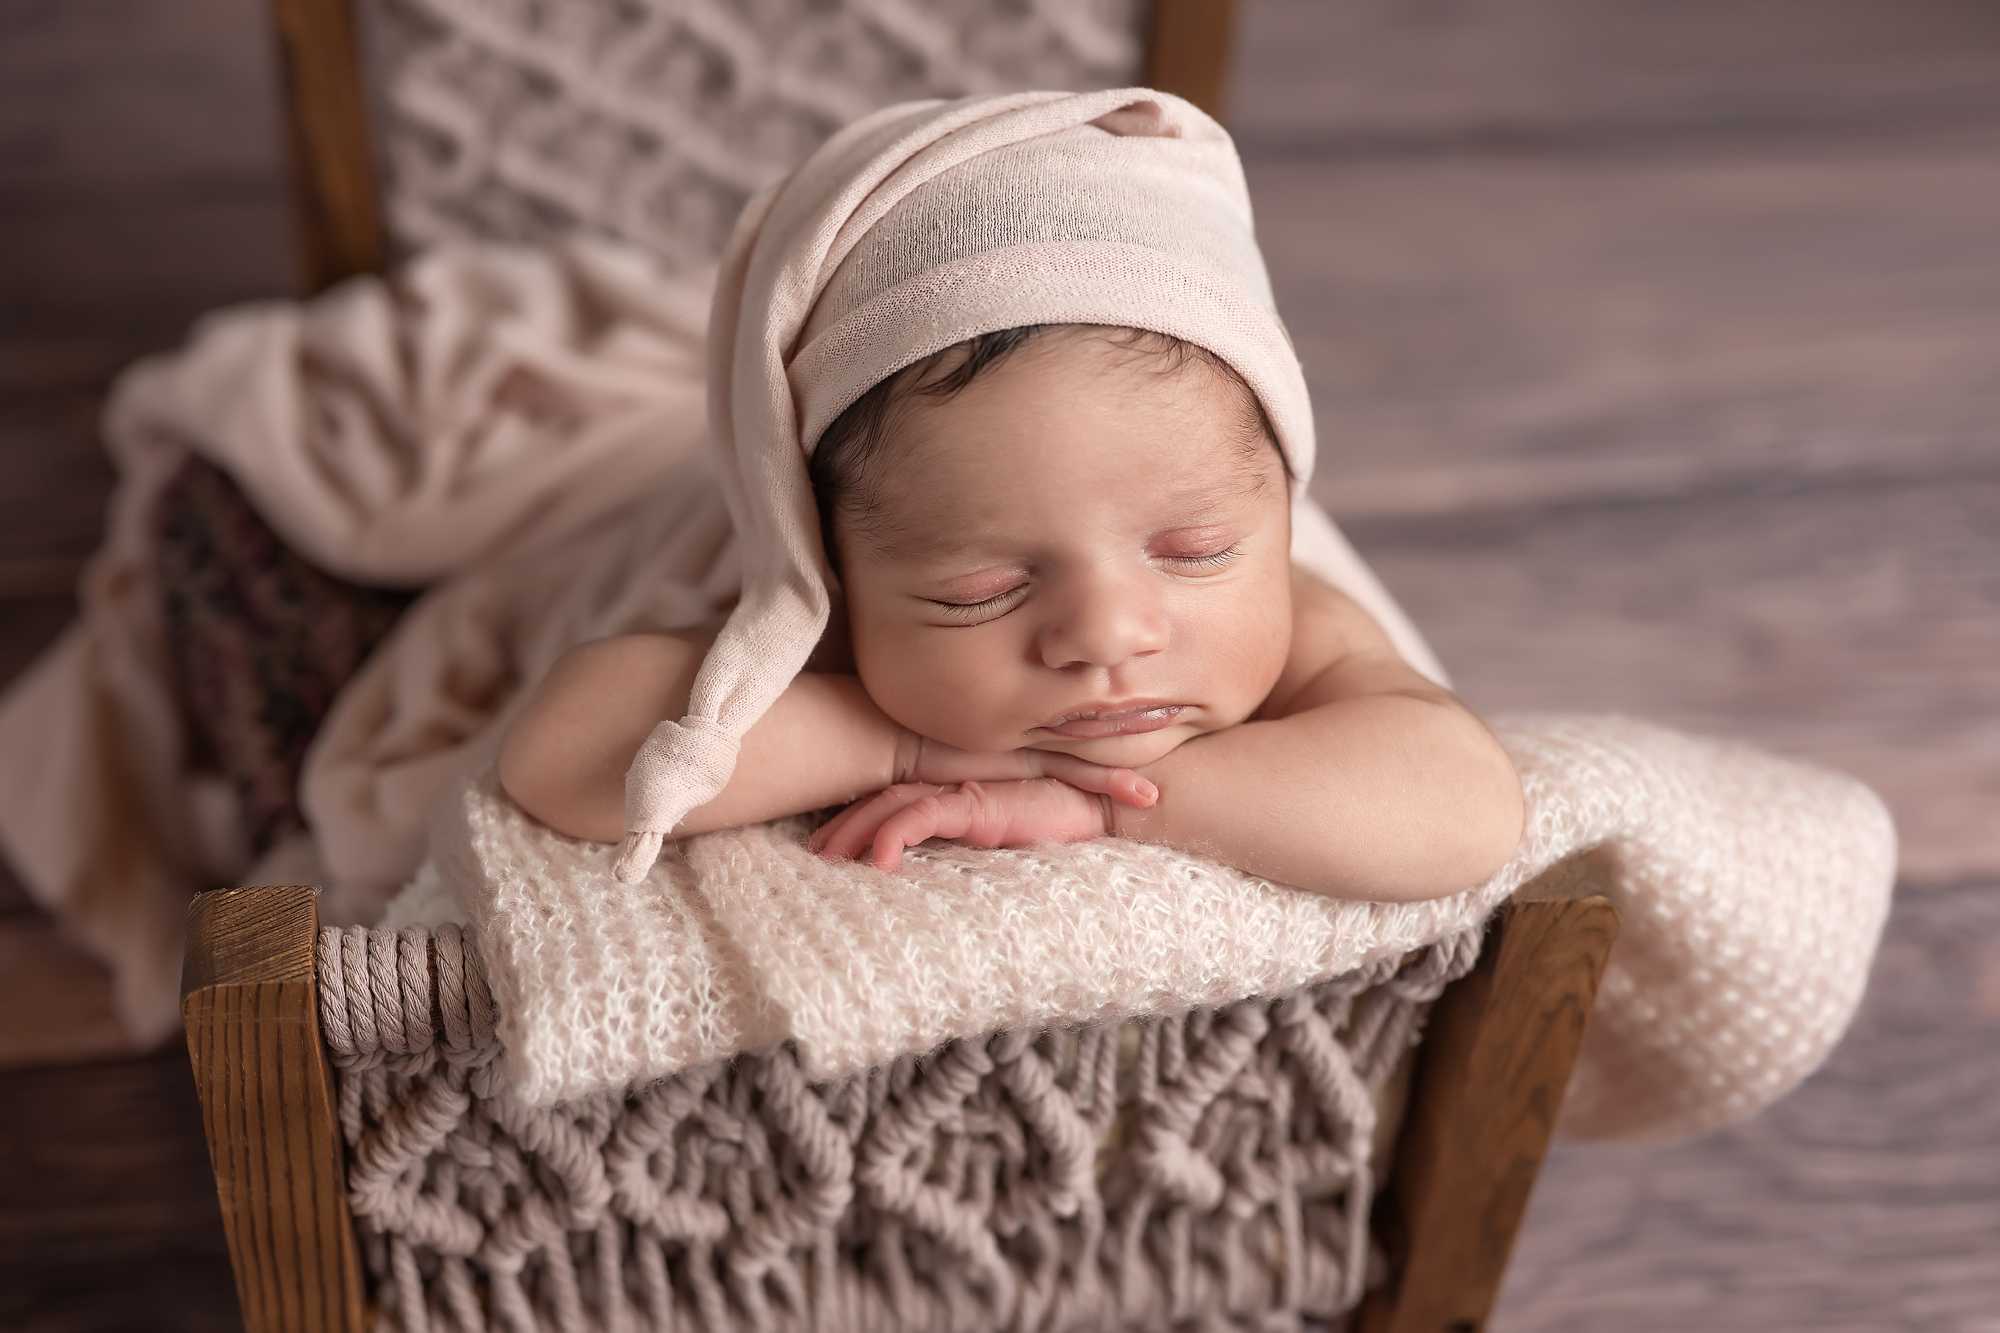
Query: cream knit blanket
{"type": "Point", "coordinates": [1753, 892]}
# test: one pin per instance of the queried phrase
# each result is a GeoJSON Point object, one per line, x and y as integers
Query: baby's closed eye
{"type": "Point", "coordinates": [1210, 560]}
{"type": "Point", "coordinates": [984, 608]}
{"type": "Point", "coordinates": [1210, 546]}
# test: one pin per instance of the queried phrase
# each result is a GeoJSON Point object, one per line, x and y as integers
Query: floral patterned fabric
{"type": "Point", "coordinates": [261, 642]}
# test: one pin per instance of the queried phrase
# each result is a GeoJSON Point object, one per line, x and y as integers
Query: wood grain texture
{"type": "Point", "coordinates": [1866, 1202]}
{"type": "Point", "coordinates": [1497, 1052]}
{"type": "Point", "coordinates": [1853, 624]}
{"type": "Point", "coordinates": [59, 998]}
{"type": "Point", "coordinates": [1390, 77]}
{"type": "Point", "coordinates": [1515, 330]}
{"type": "Point", "coordinates": [108, 1218]}
{"type": "Point", "coordinates": [251, 1009]}
{"type": "Point", "coordinates": [1701, 436]}
{"type": "Point", "coordinates": [334, 184]}
{"type": "Point", "coordinates": [1187, 50]}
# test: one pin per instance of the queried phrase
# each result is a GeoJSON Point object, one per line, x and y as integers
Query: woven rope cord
{"type": "Point", "coordinates": [1209, 1167]}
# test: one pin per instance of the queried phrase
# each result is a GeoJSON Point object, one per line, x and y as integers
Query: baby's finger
{"type": "Point", "coordinates": [827, 832]}
{"type": "Point", "coordinates": [832, 829]}
{"type": "Point", "coordinates": [944, 815]}
{"type": "Point", "coordinates": [1120, 784]}
{"type": "Point", "coordinates": [853, 829]}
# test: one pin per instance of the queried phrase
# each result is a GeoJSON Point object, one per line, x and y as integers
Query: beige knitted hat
{"type": "Point", "coordinates": [914, 229]}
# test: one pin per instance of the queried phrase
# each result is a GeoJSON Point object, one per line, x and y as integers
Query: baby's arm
{"type": "Point", "coordinates": [824, 742]}
{"type": "Point", "coordinates": [564, 758]}
{"type": "Point", "coordinates": [1357, 778]}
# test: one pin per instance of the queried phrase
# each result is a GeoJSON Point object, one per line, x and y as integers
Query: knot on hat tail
{"type": "Point", "coordinates": [682, 765]}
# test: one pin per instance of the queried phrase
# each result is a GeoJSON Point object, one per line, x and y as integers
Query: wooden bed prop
{"type": "Point", "coordinates": [1488, 1084]}
{"type": "Point", "coordinates": [336, 184]}
{"type": "Point", "coordinates": [1489, 1076]}
{"type": "Point", "coordinates": [250, 1002]}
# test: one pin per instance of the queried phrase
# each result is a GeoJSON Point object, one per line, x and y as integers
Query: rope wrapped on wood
{"type": "Point", "coordinates": [1210, 1166]}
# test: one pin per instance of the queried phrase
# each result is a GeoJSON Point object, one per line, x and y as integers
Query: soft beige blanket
{"type": "Point", "coordinates": [494, 412]}
{"type": "Point", "coordinates": [1753, 891]}
{"type": "Point", "coordinates": [524, 428]}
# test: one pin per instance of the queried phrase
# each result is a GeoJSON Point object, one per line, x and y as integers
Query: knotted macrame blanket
{"type": "Point", "coordinates": [1753, 891]}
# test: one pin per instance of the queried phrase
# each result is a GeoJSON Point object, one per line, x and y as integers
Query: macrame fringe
{"type": "Point", "coordinates": [1204, 1168]}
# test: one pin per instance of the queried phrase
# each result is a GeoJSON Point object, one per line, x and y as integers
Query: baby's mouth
{"type": "Point", "coordinates": [1090, 724]}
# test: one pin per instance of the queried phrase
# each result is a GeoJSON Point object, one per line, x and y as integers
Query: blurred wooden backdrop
{"type": "Point", "coordinates": [1656, 350]}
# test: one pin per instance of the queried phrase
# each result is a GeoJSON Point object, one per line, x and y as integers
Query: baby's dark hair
{"type": "Point", "coordinates": [846, 460]}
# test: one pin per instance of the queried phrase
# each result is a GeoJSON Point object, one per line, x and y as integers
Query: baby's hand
{"type": "Point", "coordinates": [920, 759]}
{"type": "Point", "coordinates": [990, 814]}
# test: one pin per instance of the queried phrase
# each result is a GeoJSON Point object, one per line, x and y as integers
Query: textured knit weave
{"type": "Point", "coordinates": [654, 120]}
{"type": "Point", "coordinates": [1753, 888]}
{"type": "Point", "coordinates": [1215, 1165]}
{"type": "Point", "coordinates": [911, 230]}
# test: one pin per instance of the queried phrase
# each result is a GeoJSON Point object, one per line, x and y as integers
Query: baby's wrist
{"type": "Point", "coordinates": [905, 756]}
{"type": "Point", "coordinates": [1109, 812]}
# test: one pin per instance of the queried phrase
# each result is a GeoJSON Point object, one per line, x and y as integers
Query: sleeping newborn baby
{"type": "Point", "coordinates": [1062, 441]}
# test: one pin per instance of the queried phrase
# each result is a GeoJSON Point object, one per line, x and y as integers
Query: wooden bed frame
{"type": "Point", "coordinates": [1488, 1084]}
{"type": "Point", "coordinates": [1489, 1077]}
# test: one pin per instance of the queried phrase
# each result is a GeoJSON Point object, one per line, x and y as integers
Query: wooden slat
{"type": "Point", "coordinates": [107, 1205]}
{"type": "Point", "coordinates": [250, 1004]}
{"type": "Point", "coordinates": [1701, 437]}
{"type": "Point", "coordinates": [1187, 52]}
{"type": "Point", "coordinates": [58, 1006]}
{"type": "Point", "coordinates": [1490, 1079]}
{"type": "Point", "coordinates": [1389, 76]}
{"type": "Point", "coordinates": [334, 184]}
{"type": "Point", "coordinates": [1867, 1200]}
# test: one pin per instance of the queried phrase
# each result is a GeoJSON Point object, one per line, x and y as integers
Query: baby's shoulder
{"type": "Point", "coordinates": [1327, 624]}
{"type": "Point", "coordinates": [1329, 629]}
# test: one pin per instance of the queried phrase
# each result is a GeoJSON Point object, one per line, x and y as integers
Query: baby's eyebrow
{"type": "Point", "coordinates": [1235, 483]}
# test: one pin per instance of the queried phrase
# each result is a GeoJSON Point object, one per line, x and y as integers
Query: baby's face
{"type": "Point", "coordinates": [1084, 550]}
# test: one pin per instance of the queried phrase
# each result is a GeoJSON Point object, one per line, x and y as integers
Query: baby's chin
{"type": "Point", "coordinates": [1123, 751]}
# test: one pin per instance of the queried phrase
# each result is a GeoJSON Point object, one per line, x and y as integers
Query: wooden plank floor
{"type": "Point", "coordinates": [1868, 1201]}
{"type": "Point", "coordinates": [1652, 346]}
{"type": "Point", "coordinates": [1641, 406]}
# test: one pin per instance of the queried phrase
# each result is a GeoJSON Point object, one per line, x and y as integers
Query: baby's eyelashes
{"type": "Point", "coordinates": [1194, 549]}
{"type": "Point", "coordinates": [984, 609]}
{"type": "Point", "coordinates": [1210, 560]}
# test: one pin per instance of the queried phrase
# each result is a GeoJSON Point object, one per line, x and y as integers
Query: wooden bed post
{"type": "Point", "coordinates": [1491, 1073]}
{"type": "Point", "coordinates": [1187, 50]}
{"type": "Point", "coordinates": [250, 1000]}
{"type": "Point", "coordinates": [336, 202]}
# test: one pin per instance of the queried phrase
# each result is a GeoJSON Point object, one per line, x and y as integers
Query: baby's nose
{"type": "Point", "coordinates": [1099, 619]}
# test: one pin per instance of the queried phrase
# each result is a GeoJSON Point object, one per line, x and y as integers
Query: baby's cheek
{"type": "Point", "coordinates": [946, 696]}
{"type": "Point", "coordinates": [1249, 648]}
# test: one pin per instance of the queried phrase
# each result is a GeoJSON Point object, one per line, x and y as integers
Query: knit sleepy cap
{"type": "Point", "coordinates": [909, 231]}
